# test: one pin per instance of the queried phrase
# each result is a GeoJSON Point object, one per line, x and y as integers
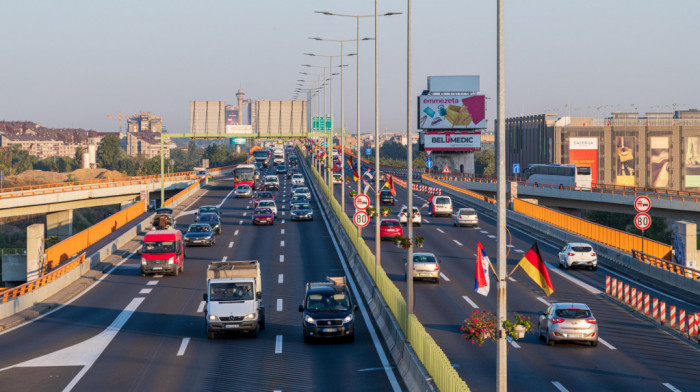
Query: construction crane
{"type": "Point", "coordinates": [120, 119]}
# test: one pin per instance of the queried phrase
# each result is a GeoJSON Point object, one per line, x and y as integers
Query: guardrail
{"type": "Point", "coordinates": [666, 265]}
{"type": "Point", "coordinates": [12, 251]}
{"type": "Point", "coordinates": [28, 287]}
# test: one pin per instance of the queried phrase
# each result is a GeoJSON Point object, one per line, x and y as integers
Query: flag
{"type": "Point", "coordinates": [368, 174]}
{"type": "Point", "coordinates": [536, 269]}
{"type": "Point", "coordinates": [481, 278]}
{"type": "Point", "coordinates": [355, 177]}
{"type": "Point", "coordinates": [390, 184]}
{"type": "Point", "coordinates": [367, 186]}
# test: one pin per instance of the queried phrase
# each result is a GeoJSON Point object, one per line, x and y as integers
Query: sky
{"type": "Point", "coordinates": [70, 63]}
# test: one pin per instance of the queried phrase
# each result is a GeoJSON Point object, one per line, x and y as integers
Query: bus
{"type": "Point", "coordinates": [559, 175]}
{"type": "Point", "coordinates": [262, 156]}
{"type": "Point", "coordinates": [244, 174]}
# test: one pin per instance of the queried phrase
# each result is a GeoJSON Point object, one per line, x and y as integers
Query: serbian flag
{"type": "Point", "coordinates": [536, 269]}
{"type": "Point", "coordinates": [355, 177]}
{"type": "Point", "coordinates": [390, 184]}
{"type": "Point", "coordinates": [481, 278]}
{"type": "Point", "coordinates": [427, 203]}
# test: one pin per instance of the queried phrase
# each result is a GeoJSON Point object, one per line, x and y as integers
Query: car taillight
{"type": "Point", "coordinates": [593, 254]}
{"type": "Point", "coordinates": [557, 320]}
{"type": "Point", "coordinates": [571, 254]}
{"type": "Point", "coordinates": [437, 268]}
{"type": "Point", "coordinates": [590, 321]}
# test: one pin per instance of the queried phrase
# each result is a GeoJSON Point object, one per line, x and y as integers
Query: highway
{"type": "Point", "coordinates": [133, 333]}
{"type": "Point", "coordinates": [633, 355]}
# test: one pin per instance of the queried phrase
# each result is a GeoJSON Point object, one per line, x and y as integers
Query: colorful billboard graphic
{"type": "Point", "coordinates": [624, 153]}
{"type": "Point", "coordinates": [692, 162]}
{"type": "Point", "coordinates": [452, 141]}
{"type": "Point", "coordinates": [583, 151]}
{"type": "Point", "coordinates": [451, 112]}
{"type": "Point", "coordinates": [659, 161]}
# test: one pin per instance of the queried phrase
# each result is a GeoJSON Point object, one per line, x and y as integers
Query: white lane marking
{"type": "Point", "coordinates": [247, 207]}
{"type": "Point", "coordinates": [514, 344]}
{"type": "Point", "coordinates": [279, 304]}
{"type": "Point", "coordinates": [224, 258]}
{"type": "Point", "coordinates": [245, 213]}
{"type": "Point", "coordinates": [281, 258]}
{"type": "Point", "coordinates": [282, 204]}
{"type": "Point", "coordinates": [444, 277]}
{"type": "Point", "coordinates": [511, 279]}
{"type": "Point", "coordinates": [477, 228]}
{"type": "Point", "coordinates": [475, 306]}
{"type": "Point", "coordinates": [282, 231]}
{"type": "Point", "coordinates": [280, 278]}
{"type": "Point", "coordinates": [282, 213]}
{"type": "Point", "coordinates": [559, 386]}
{"type": "Point", "coordinates": [484, 232]}
{"type": "Point", "coordinates": [425, 220]}
{"type": "Point", "coordinates": [519, 251]}
{"type": "Point", "coordinates": [230, 244]}
{"type": "Point", "coordinates": [457, 242]}
{"type": "Point", "coordinates": [440, 230]}
{"type": "Point", "coordinates": [200, 308]}
{"type": "Point", "coordinates": [671, 387]}
{"type": "Point", "coordinates": [145, 291]}
{"type": "Point", "coordinates": [282, 243]}
{"type": "Point", "coordinates": [152, 282]}
{"type": "Point", "coordinates": [544, 301]}
{"type": "Point", "coordinates": [491, 236]}
{"type": "Point", "coordinates": [575, 281]}
{"type": "Point", "coordinates": [130, 266]}
{"type": "Point", "coordinates": [240, 222]}
{"type": "Point", "coordinates": [278, 344]}
{"type": "Point", "coordinates": [608, 345]}
{"type": "Point", "coordinates": [84, 354]}
{"type": "Point", "coordinates": [183, 347]}
{"type": "Point", "coordinates": [282, 220]}
{"type": "Point", "coordinates": [235, 232]}
{"type": "Point", "coordinates": [510, 246]}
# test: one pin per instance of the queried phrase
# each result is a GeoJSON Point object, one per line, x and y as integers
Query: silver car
{"type": "Point", "coordinates": [426, 266]}
{"type": "Point", "coordinates": [268, 204]}
{"type": "Point", "coordinates": [568, 321]}
{"type": "Point", "coordinates": [243, 190]}
{"type": "Point", "coordinates": [297, 179]}
{"type": "Point", "coordinates": [578, 254]}
{"type": "Point", "coordinates": [465, 217]}
{"type": "Point", "coordinates": [302, 190]}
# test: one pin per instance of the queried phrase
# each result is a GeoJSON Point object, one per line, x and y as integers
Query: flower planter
{"type": "Point", "coordinates": [520, 330]}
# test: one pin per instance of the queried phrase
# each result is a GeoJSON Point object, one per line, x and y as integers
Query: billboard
{"type": "Point", "coordinates": [239, 129]}
{"type": "Point", "coordinates": [451, 112]}
{"type": "Point", "coordinates": [280, 118]}
{"type": "Point", "coordinates": [207, 117]}
{"type": "Point", "coordinates": [452, 141]}
{"type": "Point", "coordinates": [624, 161]}
{"type": "Point", "coordinates": [692, 162]}
{"type": "Point", "coordinates": [583, 151]}
{"type": "Point", "coordinates": [659, 161]}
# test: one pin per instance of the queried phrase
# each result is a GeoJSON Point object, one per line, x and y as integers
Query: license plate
{"type": "Point", "coordinates": [422, 274]}
{"type": "Point", "coordinates": [231, 326]}
{"type": "Point", "coordinates": [330, 329]}
{"type": "Point", "coordinates": [157, 268]}
{"type": "Point", "coordinates": [575, 335]}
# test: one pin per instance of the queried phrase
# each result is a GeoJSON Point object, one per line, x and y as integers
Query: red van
{"type": "Point", "coordinates": [163, 251]}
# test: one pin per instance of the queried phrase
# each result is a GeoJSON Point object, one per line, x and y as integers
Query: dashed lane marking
{"type": "Point", "coordinates": [282, 243]}
{"type": "Point", "coordinates": [559, 386]}
{"type": "Point", "coordinates": [440, 230]}
{"type": "Point", "coordinates": [281, 258]}
{"type": "Point", "coordinates": [145, 291]}
{"type": "Point", "coordinates": [608, 345]}
{"type": "Point", "coordinates": [279, 304]}
{"type": "Point", "coordinates": [235, 232]}
{"type": "Point", "coordinates": [544, 301]}
{"type": "Point", "coordinates": [470, 302]}
{"type": "Point", "coordinates": [519, 251]}
{"type": "Point", "coordinates": [671, 387]}
{"type": "Point", "coordinates": [511, 279]}
{"type": "Point", "coordinates": [444, 277]}
{"type": "Point", "coordinates": [282, 231]}
{"type": "Point", "coordinates": [200, 308]}
{"type": "Point", "coordinates": [183, 347]}
{"type": "Point", "coordinates": [280, 278]}
{"type": "Point", "coordinates": [457, 242]}
{"type": "Point", "coordinates": [224, 258]}
{"type": "Point", "coordinates": [484, 232]}
{"type": "Point", "coordinates": [278, 344]}
{"type": "Point", "coordinates": [491, 236]}
{"type": "Point", "coordinates": [152, 282]}
{"type": "Point", "coordinates": [230, 244]}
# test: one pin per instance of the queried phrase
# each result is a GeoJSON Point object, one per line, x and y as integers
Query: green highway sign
{"type": "Point", "coordinates": [321, 123]}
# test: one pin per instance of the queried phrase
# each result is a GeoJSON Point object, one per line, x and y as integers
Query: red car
{"type": "Point", "coordinates": [266, 195]}
{"type": "Point", "coordinates": [390, 228]}
{"type": "Point", "coordinates": [263, 216]}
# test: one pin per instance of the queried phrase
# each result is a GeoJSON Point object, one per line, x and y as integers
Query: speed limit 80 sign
{"type": "Point", "coordinates": [360, 219]}
{"type": "Point", "coordinates": [642, 221]}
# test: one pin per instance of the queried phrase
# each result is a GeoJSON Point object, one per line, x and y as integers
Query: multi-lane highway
{"type": "Point", "coordinates": [633, 355]}
{"type": "Point", "coordinates": [130, 333]}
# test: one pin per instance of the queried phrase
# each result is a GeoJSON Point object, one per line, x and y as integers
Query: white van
{"type": "Point", "coordinates": [440, 205]}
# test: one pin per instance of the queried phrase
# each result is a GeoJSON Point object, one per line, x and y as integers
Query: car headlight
{"type": "Point", "coordinates": [310, 320]}
{"type": "Point", "coordinates": [171, 260]}
{"type": "Point", "coordinates": [213, 318]}
{"type": "Point", "coordinates": [250, 316]}
{"type": "Point", "coordinates": [347, 319]}
{"type": "Point", "coordinates": [143, 261]}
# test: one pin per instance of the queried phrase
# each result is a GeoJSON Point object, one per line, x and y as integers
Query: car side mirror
{"type": "Point", "coordinates": [355, 308]}
{"type": "Point", "coordinates": [301, 308]}
{"type": "Point", "coordinates": [195, 213]}
{"type": "Point", "coordinates": [139, 250]}
{"type": "Point", "coordinates": [204, 296]}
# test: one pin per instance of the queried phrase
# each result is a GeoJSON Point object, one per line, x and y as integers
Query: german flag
{"type": "Point", "coordinates": [536, 269]}
{"type": "Point", "coordinates": [355, 177]}
{"type": "Point", "coordinates": [390, 184]}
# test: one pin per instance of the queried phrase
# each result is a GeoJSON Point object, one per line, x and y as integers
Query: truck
{"type": "Point", "coordinates": [262, 156]}
{"type": "Point", "coordinates": [233, 298]}
{"type": "Point", "coordinates": [278, 156]}
{"type": "Point", "coordinates": [328, 311]}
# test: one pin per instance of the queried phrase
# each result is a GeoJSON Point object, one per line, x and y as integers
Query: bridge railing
{"type": "Point", "coordinates": [9, 294]}
{"type": "Point", "coordinates": [666, 265]}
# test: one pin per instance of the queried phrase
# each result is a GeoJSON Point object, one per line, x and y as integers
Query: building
{"type": "Point", "coordinates": [239, 114]}
{"type": "Point", "coordinates": [143, 136]}
{"type": "Point", "coordinates": [658, 150]}
{"type": "Point", "coordinates": [144, 122]}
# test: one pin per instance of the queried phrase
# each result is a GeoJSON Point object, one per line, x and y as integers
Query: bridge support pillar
{"type": "Point", "coordinates": [685, 243]}
{"type": "Point", "coordinates": [60, 224]}
{"type": "Point", "coordinates": [35, 250]}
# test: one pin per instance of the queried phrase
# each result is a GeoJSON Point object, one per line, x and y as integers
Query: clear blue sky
{"type": "Point", "coordinates": [70, 63]}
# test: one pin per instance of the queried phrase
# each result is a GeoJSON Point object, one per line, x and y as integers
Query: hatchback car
{"type": "Point", "coordinates": [386, 197]}
{"type": "Point", "coordinates": [578, 254]}
{"type": "Point", "coordinates": [302, 190]}
{"type": "Point", "coordinates": [389, 228]}
{"type": "Point", "coordinates": [426, 266]}
{"type": "Point", "coordinates": [263, 216]}
{"type": "Point", "coordinates": [297, 179]}
{"type": "Point", "coordinates": [207, 210]}
{"type": "Point", "coordinates": [465, 217]}
{"type": "Point", "coordinates": [568, 321]}
{"type": "Point", "coordinates": [301, 211]}
{"type": "Point", "coordinates": [281, 169]}
{"type": "Point", "coordinates": [298, 199]}
{"type": "Point", "coordinates": [213, 221]}
{"type": "Point", "coordinates": [403, 216]}
{"type": "Point", "coordinates": [268, 204]}
{"type": "Point", "coordinates": [265, 195]}
{"type": "Point", "coordinates": [243, 190]}
{"type": "Point", "coordinates": [199, 234]}
{"type": "Point", "coordinates": [271, 183]}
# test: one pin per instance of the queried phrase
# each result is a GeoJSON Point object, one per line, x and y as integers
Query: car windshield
{"type": "Point", "coordinates": [573, 313]}
{"type": "Point", "coordinates": [581, 249]}
{"type": "Point", "coordinates": [302, 190]}
{"type": "Point", "coordinates": [203, 210]}
{"type": "Point", "coordinates": [327, 302]}
{"type": "Point", "coordinates": [442, 200]}
{"type": "Point", "coordinates": [466, 212]}
{"type": "Point", "coordinates": [243, 174]}
{"type": "Point", "coordinates": [264, 195]}
{"type": "Point", "coordinates": [390, 224]}
{"type": "Point", "coordinates": [266, 203]}
{"type": "Point", "coordinates": [280, 167]}
{"type": "Point", "coordinates": [231, 292]}
{"type": "Point", "coordinates": [423, 259]}
{"type": "Point", "coordinates": [385, 193]}
{"type": "Point", "coordinates": [271, 179]}
{"type": "Point", "coordinates": [297, 176]}
{"type": "Point", "coordinates": [261, 211]}
{"type": "Point", "coordinates": [199, 229]}
{"type": "Point", "coordinates": [243, 188]}
{"type": "Point", "coordinates": [209, 218]}
{"type": "Point", "coordinates": [159, 247]}
{"type": "Point", "coordinates": [300, 206]}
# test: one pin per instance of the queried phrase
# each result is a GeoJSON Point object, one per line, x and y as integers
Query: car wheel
{"type": "Point", "coordinates": [595, 268]}
{"type": "Point", "coordinates": [143, 274]}
{"type": "Point", "coordinates": [539, 332]}
{"type": "Point", "coordinates": [549, 341]}
{"type": "Point", "coordinates": [560, 265]}
{"type": "Point", "coordinates": [594, 343]}
{"type": "Point", "coordinates": [177, 271]}
{"type": "Point", "coordinates": [351, 338]}
{"type": "Point", "coordinates": [307, 339]}
{"type": "Point", "coordinates": [211, 335]}
{"type": "Point", "coordinates": [182, 267]}
{"type": "Point", "coordinates": [437, 280]}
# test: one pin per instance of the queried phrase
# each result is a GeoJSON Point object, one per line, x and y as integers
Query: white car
{"type": "Point", "coordinates": [302, 190]}
{"type": "Point", "coordinates": [578, 254]}
{"type": "Point", "coordinates": [403, 216]}
{"type": "Point", "coordinates": [337, 179]}
{"type": "Point", "coordinates": [465, 216]}
{"type": "Point", "coordinates": [268, 204]}
{"type": "Point", "coordinates": [297, 179]}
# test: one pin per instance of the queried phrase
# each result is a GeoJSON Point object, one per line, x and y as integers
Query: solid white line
{"type": "Point", "coordinates": [282, 231]}
{"type": "Point", "coordinates": [230, 244]}
{"type": "Point", "coordinates": [200, 308]}
{"type": "Point", "coordinates": [235, 232]}
{"type": "Point", "coordinates": [280, 278]}
{"type": "Point", "coordinates": [282, 243]}
{"type": "Point", "coordinates": [671, 387]}
{"type": "Point", "coordinates": [145, 291]}
{"type": "Point", "coordinates": [457, 242]}
{"type": "Point", "coordinates": [278, 344]}
{"type": "Point", "coordinates": [514, 344]}
{"type": "Point", "coordinates": [444, 277]}
{"type": "Point", "coordinates": [559, 386]}
{"type": "Point", "coordinates": [440, 230]}
{"type": "Point", "coordinates": [224, 259]}
{"type": "Point", "coordinates": [279, 304]}
{"type": "Point", "coordinates": [511, 279]}
{"type": "Point", "coordinates": [183, 347]}
{"type": "Point", "coordinates": [475, 306]}
{"type": "Point", "coordinates": [283, 205]}
{"type": "Point", "coordinates": [608, 345]}
{"type": "Point", "coordinates": [247, 207]}
{"type": "Point", "coordinates": [544, 301]}
{"type": "Point", "coordinates": [281, 258]}
{"type": "Point", "coordinates": [152, 282]}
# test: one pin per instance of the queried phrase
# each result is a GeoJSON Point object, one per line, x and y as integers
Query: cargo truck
{"type": "Point", "coordinates": [233, 298]}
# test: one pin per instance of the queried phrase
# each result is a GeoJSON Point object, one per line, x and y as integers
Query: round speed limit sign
{"type": "Point", "coordinates": [642, 221]}
{"type": "Point", "coordinates": [360, 219]}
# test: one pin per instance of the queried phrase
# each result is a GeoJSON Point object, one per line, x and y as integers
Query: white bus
{"type": "Point", "coordinates": [555, 174]}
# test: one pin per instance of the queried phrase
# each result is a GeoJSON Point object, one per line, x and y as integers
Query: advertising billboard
{"type": "Point", "coordinates": [207, 117]}
{"type": "Point", "coordinates": [659, 161]}
{"type": "Point", "coordinates": [624, 161]}
{"type": "Point", "coordinates": [452, 141]}
{"type": "Point", "coordinates": [692, 162]}
{"type": "Point", "coordinates": [280, 118]}
{"type": "Point", "coordinates": [583, 151]}
{"type": "Point", "coordinates": [451, 112]}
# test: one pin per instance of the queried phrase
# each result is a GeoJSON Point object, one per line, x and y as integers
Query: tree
{"type": "Point", "coordinates": [393, 150]}
{"type": "Point", "coordinates": [484, 163]}
{"type": "Point", "coordinates": [109, 153]}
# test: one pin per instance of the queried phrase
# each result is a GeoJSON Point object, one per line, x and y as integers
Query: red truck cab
{"type": "Point", "coordinates": [163, 251]}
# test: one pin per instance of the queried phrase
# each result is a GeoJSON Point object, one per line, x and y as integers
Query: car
{"type": "Point", "coordinates": [298, 198]}
{"type": "Point", "coordinates": [403, 216]}
{"type": "Point", "coordinates": [263, 195]}
{"type": "Point", "coordinates": [440, 205]}
{"type": "Point", "coordinates": [297, 179]}
{"type": "Point", "coordinates": [301, 211]}
{"type": "Point", "coordinates": [292, 160]}
{"type": "Point", "coordinates": [291, 172]}
{"type": "Point", "coordinates": [162, 221]}
{"type": "Point", "coordinates": [204, 173]}
{"type": "Point", "coordinates": [337, 178]}
{"type": "Point", "coordinates": [386, 197]}
{"type": "Point", "coordinates": [164, 210]}
{"type": "Point", "coordinates": [302, 190]}
{"type": "Point", "coordinates": [199, 234]}
{"type": "Point", "coordinates": [465, 217]}
{"type": "Point", "coordinates": [425, 266]}
{"type": "Point", "coordinates": [213, 221]}
{"type": "Point", "coordinates": [564, 321]}
{"type": "Point", "coordinates": [281, 169]}
{"type": "Point", "coordinates": [268, 204]}
{"type": "Point", "coordinates": [243, 190]}
{"type": "Point", "coordinates": [259, 165]}
{"type": "Point", "coordinates": [389, 228]}
{"type": "Point", "coordinates": [271, 183]}
{"type": "Point", "coordinates": [207, 210]}
{"type": "Point", "coordinates": [263, 216]}
{"type": "Point", "coordinates": [327, 310]}
{"type": "Point", "coordinates": [578, 254]}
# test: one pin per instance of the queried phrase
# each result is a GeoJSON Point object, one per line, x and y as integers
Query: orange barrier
{"type": "Point", "coordinates": [666, 265]}
{"type": "Point", "coordinates": [182, 192]}
{"type": "Point", "coordinates": [460, 190]}
{"type": "Point", "coordinates": [604, 235]}
{"type": "Point", "coordinates": [42, 281]}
